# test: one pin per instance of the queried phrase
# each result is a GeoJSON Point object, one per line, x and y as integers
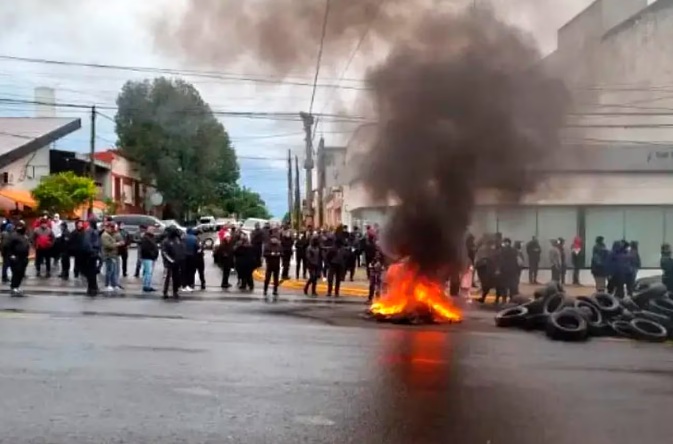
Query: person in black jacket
{"type": "Point", "coordinates": [64, 251]}
{"type": "Point", "coordinates": [224, 258]}
{"type": "Point", "coordinates": [350, 259]}
{"type": "Point", "coordinates": [300, 247]}
{"type": "Point", "coordinates": [200, 262]}
{"type": "Point", "coordinates": [18, 249]}
{"type": "Point", "coordinates": [508, 266]}
{"type": "Point", "coordinates": [124, 249]}
{"type": "Point", "coordinates": [7, 230]}
{"type": "Point", "coordinates": [74, 247]}
{"type": "Point", "coordinates": [369, 249]}
{"type": "Point", "coordinates": [599, 263]}
{"type": "Point", "coordinates": [148, 252]}
{"type": "Point", "coordinates": [313, 263]}
{"type": "Point", "coordinates": [287, 245]}
{"type": "Point", "coordinates": [534, 253]}
{"type": "Point", "coordinates": [257, 239]}
{"type": "Point", "coordinates": [272, 254]}
{"type": "Point", "coordinates": [173, 253]}
{"type": "Point", "coordinates": [245, 263]}
{"type": "Point", "coordinates": [336, 264]}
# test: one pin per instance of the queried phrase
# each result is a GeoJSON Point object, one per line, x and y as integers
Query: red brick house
{"type": "Point", "coordinates": [127, 189]}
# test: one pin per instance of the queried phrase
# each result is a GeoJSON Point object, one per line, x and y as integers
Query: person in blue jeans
{"type": "Point", "coordinates": [110, 243]}
{"type": "Point", "coordinates": [148, 252]}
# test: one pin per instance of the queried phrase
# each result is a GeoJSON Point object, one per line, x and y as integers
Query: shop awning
{"type": "Point", "coordinates": [22, 197]}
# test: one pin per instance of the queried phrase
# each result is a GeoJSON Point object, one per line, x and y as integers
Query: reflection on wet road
{"type": "Point", "coordinates": [234, 373]}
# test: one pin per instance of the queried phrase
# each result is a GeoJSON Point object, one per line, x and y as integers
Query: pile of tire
{"type": "Point", "coordinates": [647, 316]}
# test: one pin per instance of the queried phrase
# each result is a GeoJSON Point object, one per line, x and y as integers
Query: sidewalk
{"type": "Point", "coordinates": [360, 287]}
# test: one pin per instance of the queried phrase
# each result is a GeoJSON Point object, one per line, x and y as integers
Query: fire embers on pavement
{"type": "Point", "coordinates": [647, 316]}
{"type": "Point", "coordinates": [410, 298]}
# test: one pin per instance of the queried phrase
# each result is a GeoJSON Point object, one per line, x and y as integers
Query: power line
{"type": "Point", "coordinates": [171, 71]}
{"type": "Point", "coordinates": [319, 61]}
{"type": "Point", "coordinates": [281, 116]}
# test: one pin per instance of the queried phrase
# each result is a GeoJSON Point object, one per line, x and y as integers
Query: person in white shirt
{"type": "Point", "coordinates": [58, 245]}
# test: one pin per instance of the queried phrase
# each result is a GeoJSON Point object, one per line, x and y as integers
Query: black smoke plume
{"type": "Point", "coordinates": [464, 107]}
{"type": "Point", "coordinates": [464, 103]}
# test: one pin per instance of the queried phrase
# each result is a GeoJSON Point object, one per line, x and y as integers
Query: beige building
{"type": "Point", "coordinates": [614, 175]}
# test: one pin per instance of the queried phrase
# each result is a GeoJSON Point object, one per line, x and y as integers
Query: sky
{"type": "Point", "coordinates": [119, 32]}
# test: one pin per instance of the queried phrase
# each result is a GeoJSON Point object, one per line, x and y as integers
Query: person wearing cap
{"type": "Point", "coordinates": [18, 250]}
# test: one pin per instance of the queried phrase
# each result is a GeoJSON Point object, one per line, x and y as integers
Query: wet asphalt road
{"type": "Point", "coordinates": [135, 371]}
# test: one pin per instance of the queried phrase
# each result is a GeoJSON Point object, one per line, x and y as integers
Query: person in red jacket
{"type": "Point", "coordinates": [45, 218]}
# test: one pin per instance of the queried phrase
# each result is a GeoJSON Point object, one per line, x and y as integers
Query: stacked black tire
{"type": "Point", "coordinates": [647, 316]}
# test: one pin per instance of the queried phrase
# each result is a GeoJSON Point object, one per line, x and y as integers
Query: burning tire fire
{"type": "Point", "coordinates": [413, 299]}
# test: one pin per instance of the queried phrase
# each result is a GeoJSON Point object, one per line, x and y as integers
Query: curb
{"type": "Point", "coordinates": [42, 292]}
{"type": "Point", "coordinates": [299, 285]}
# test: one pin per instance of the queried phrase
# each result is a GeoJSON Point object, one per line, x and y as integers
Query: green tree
{"type": "Point", "coordinates": [64, 192]}
{"type": "Point", "coordinates": [166, 127]}
{"type": "Point", "coordinates": [246, 203]}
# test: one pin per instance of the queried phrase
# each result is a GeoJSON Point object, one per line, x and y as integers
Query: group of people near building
{"type": "Point", "coordinates": [499, 263]}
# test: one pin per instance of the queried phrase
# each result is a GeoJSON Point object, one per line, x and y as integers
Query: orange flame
{"type": "Point", "coordinates": [408, 292]}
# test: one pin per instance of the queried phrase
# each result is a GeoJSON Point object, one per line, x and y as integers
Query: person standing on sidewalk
{"type": "Point", "coordinates": [555, 261]}
{"type": "Point", "coordinates": [173, 253]}
{"type": "Point", "coordinates": [336, 264]}
{"type": "Point", "coordinates": [224, 258]}
{"type": "Point", "coordinates": [314, 264]}
{"type": "Point", "coordinates": [534, 253]}
{"type": "Point", "coordinates": [191, 250]}
{"type": "Point", "coordinates": [375, 277]}
{"type": "Point", "coordinates": [599, 263]}
{"type": "Point", "coordinates": [142, 229]}
{"type": "Point", "coordinates": [8, 228]}
{"type": "Point", "coordinates": [57, 250]}
{"type": "Point", "coordinates": [18, 250]}
{"type": "Point", "coordinates": [148, 252]}
{"type": "Point", "coordinates": [273, 253]}
{"type": "Point", "coordinates": [577, 258]}
{"type": "Point", "coordinates": [43, 240]}
{"type": "Point", "coordinates": [64, 251]}
{"type": "Point", "coordinates": [300, 247]}
{"type": "Point", "coordinates": [110, 243]}
{"type": "Point", "coordinates": [124, 249]}
{"type": "Point", "coordinates": [245, 263]}
{"type": "Point", "coordinates": [90, 253]}
{"type": "Point", "coordinates": [287, 245]}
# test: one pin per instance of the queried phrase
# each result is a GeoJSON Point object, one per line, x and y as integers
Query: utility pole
{"type": "Point", "coordinates": [92, 163]}
{"type": "Point", "coordinates": [290, 207]}
{"type": "Point", "coordinates": [321, 180]}
{"type": "Point", "coordinates": [307, 119]}
{"type": "Point", "coordinates": [297, 194]}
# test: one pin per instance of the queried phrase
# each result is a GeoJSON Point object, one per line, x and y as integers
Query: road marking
{"type": "Point", "coordinates": [196, 391]}
{"type": "Point", "coordinates": [13, 315]}
{"type": "Point", "coordinates": [314, 420]}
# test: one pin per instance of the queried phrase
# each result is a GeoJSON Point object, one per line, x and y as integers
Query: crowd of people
{"type": "Point", "coordinates": [499, 263]}
{"type": "Point", "coordinates": [96, 249]}
{"type": "Point", "coordinates": [330, 255]}
{"type": "Point", "coordinates": [99, 251]}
